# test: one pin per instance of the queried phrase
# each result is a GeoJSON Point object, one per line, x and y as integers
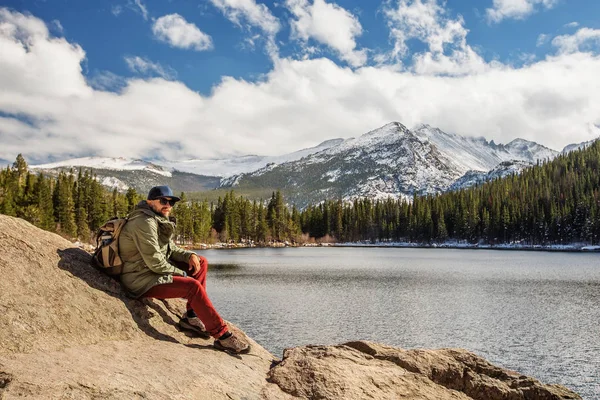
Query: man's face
{"type": "Point", "coordinates": [160, 208]}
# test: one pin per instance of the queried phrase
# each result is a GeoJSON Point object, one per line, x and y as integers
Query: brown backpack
{"type": "Point", "coordinates": [106, 257]}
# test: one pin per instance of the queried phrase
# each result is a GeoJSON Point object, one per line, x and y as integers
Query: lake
{"type": "Point", "coordinates": [534, 312]}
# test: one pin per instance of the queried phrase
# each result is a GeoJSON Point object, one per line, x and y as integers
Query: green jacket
{"type": "Point", "coordinates": [146, 247]}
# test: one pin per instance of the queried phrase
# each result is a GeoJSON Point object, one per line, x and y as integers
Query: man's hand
{"type": "Point", "coordinates": [194, 264]}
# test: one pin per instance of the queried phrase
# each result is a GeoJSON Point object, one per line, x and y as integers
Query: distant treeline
{"type": "Point", "coordinates": [74, 206]}
{"type": "Point", "coordinates": [555, 202]}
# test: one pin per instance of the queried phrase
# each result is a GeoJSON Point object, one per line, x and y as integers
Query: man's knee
{"type": "Point", "coordinates": [194, 287]}
{"type": "Point", "coordinates": [202, 271]}
{"type": "Point", "coordinates": [203, 262]}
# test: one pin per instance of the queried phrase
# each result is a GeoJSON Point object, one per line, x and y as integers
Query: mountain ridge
{"type": "Point", "coordinates": [391, 160]}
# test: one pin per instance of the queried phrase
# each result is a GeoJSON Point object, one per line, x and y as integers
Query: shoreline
{"type": "Point", "coordinates": [549, 248]}
{"type": "Point", "coordinates": [571, 248]}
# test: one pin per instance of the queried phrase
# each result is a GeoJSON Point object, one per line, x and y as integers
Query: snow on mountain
{"type": "Point", "coordinates": [505, 168]}
{"type": "Point", "coordinates": [389, 161]}
{"type": "Point", "coordinates": [393, 161]}
{"type": "Point", "coordinates": [463, 153]}
{"type": "Point", "coordinates": [106, 163]}
{"type": "Point", "coordinates": [207, 167]}
{"type": "Point", "coordinates": [468, 153]}
{"type": "Point", "coordinates": [227, 167]}
{"type": "Point", "coordinates": [525, 150]}
{"type": "Point", "coordinates": [114, 183]}
{"type": "Point", "coordinates": [189, 175]}
{"type": "Point", "coordinates": [122, 174]}
{"type": "Point", "coordinates": [577, 146]}
{"type": "Point", "coordinates": [371, 142]}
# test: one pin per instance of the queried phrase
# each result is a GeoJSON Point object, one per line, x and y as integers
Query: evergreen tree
{"type": "Point", "coordinates": [66, 206]}
{"type": "Point", "coordinates": [133, 198]}
{"type": "Point", "coordinates": [20, 169]}
{"type": "Point", "coordinates": [44, 203]}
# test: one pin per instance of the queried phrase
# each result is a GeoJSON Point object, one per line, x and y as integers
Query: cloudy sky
{"type": "Point", "coordinates": [181, 79]}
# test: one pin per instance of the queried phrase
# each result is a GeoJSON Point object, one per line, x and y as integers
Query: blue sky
{"type": "Point", "coordinates": [217, 78]}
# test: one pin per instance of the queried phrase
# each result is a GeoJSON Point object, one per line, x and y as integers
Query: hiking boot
{"type": "Point", "coordinates": [233, 344]}
{"type": "Point", "coordinates": [194, 324]}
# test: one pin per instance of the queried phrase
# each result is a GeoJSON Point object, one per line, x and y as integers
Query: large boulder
{"type": "Point", "coordinates": [363, 369]}
{"type": "Point", "coordinates": [69, 332]}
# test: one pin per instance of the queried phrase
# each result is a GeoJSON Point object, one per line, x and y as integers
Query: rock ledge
{"type": "Point", "coordinates": [69, 332]}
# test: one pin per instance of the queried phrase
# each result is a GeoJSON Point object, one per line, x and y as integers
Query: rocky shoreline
{"type": "Point", "coordinates": [575, 247]}
{"type": "Point", "coordinates": [68, 331]}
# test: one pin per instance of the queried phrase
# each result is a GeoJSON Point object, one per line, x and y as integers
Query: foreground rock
{"type": "Point", "coordinates": [361, 369]}
{"type": "Point", "coordinates": [68, 332]}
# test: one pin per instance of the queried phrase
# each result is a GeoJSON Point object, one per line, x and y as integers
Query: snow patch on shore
{"type": "Point", "coordinates": [466, 245]}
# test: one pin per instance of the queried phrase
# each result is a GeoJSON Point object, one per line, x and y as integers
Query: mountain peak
{"type": "Point", "coordinates": [426, 130]}
{"type": "Point", "coordinates": [520, 142]}
{"type": "Point", "coordinates": [394, 125]}
{"type": "Point", "coordinates": [329, 143]}
{"type": "Point", "coordinates": [528, 149]}
{"type": "Point", "coordinates": [386, 134]}
{"type": "Point", "coordinates": [577, 146]}
{"type": "Point", "coordinates": [386, 130]}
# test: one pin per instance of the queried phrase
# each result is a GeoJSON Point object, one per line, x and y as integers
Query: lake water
{"type": "Point", "coordinates": [534, 312]}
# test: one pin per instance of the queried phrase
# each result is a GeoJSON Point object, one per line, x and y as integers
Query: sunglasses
{"type": "Point", "coordinates": [164, 202]}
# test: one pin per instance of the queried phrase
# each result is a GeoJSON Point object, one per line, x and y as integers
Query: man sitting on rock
{"type": "Point", "coordinates": [149, 268]}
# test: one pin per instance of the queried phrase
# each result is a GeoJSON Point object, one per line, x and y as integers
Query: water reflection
{"type": "Point", "coordinates": [224, 266]}
{"type": "Point", "coordinates": [534, 312]}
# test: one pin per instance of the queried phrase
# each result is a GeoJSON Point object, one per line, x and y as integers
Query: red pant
{"type": "Point", "coordinates": [193, 288]}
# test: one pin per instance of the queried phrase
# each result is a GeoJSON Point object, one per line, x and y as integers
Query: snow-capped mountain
{"type": "Point", "coordinates": [505, 168]}
{"type": "Point", "coordinates": [389, 161]}
{"type": "Point", "coordinates": [577, 146]}
{"type": "Point", "coordinates": [122, 173]}
{"type": "Point", "coordinates": [226, 167]}
{"type": "Point", "coordinates": [107, 163]}
{"type": "Point", "coordinates": [218, 167]}
{"type": "Point", "coordinates": [467, 153]}
{"type": "Point", "coordinates": [186, 175]}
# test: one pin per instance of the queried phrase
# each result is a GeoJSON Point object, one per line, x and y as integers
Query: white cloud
{"type": "Point", "coordinates": [328, 24]}
{"type": "Point", "coordinates": [427, 21]}
{"type": "Point", "coordinates": [247, 14]}
{"type": "Point", "coordinates": [250, 42]}
{"type": "Point", "coordinates": [176, 31]}
{"type": "Point", "coordinates": [145, 67]}
{"type": "Point", "coordinates": [542, 39]}
{"type": "Point", "coordinates": [585, 39]}
{"type": "Point", "coordinates": [106, 80]}
{"type": "Point", "coordinates": [297, 104]}
{"type": "Point", "coordinates": [57, 26]}
{"type": "Point", "coordinates": [241, 11]}
{"type": "Point", "coordinates": [116, 10]}
{"type": "Point", "coordinates": [516, 9]}
{"type": "Point", "coordinates": [33, 63]}
{"type": "Point", "coordinates": [527, 58]}
{"type": "Point", "coordinates": [142, 8]}
{"type": "Point", "coordinates": [572, 25]}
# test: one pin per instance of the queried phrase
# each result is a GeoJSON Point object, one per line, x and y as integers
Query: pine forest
{"type": "Point", "coordinates": [557, 202]}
